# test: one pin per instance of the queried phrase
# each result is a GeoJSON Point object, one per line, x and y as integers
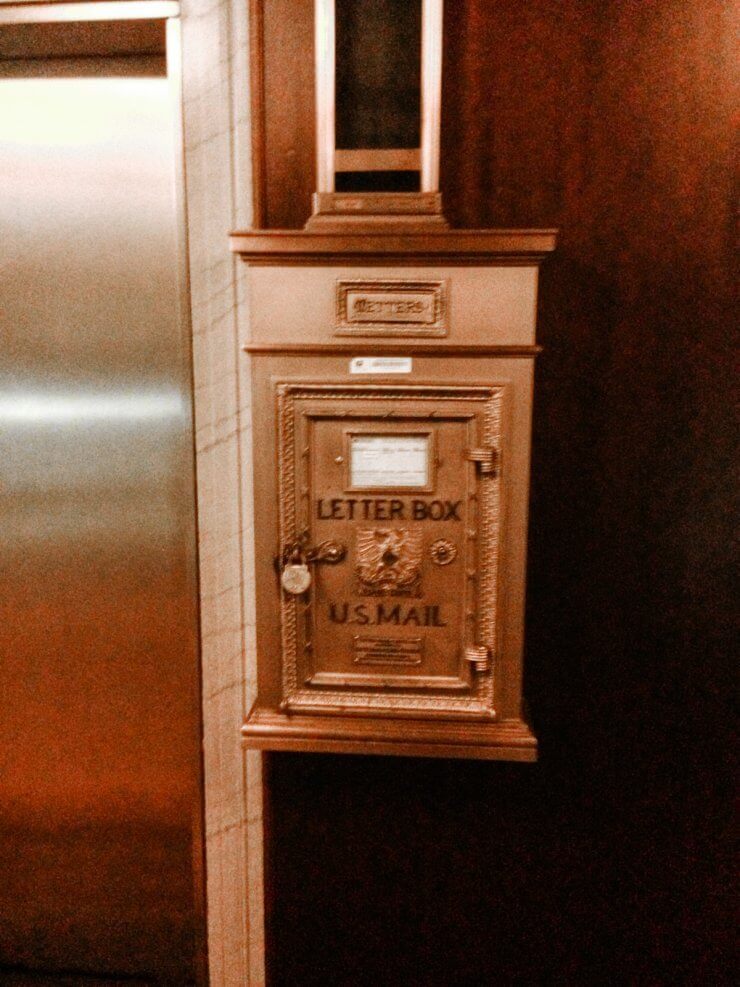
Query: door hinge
{"type": "Point", "coordinates": [479, 657]}
{"type": "Point", "coordinates": [486, 457]}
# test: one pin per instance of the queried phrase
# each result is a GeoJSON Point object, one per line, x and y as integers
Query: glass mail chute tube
{"type": "Point", "coordinates": [378, 75]}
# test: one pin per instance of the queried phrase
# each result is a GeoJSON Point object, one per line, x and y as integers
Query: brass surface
{"type": "Point", "coordinates": [388, 561]}
{"type": "Point", "coordinates": [391, 307]}
{"type": "Point", "coordinates": [456, 604]}
{"type": "Point", "coordinates": [498, 741]}
{"type": "Point", "coordinates": [377, 159]}
{"type": "Point", "coordinates": [356, 679]}
{"type": "Point", "coordinates": [494, 247]}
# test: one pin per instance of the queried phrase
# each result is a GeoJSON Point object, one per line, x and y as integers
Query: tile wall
{"type": "Point", "coordinates": [218, 189]}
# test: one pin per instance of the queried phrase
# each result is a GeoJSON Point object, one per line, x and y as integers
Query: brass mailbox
{"type": "Point", "coordinates": [391, 484]}
{"type": "Point", "coordinates": [391, 396]}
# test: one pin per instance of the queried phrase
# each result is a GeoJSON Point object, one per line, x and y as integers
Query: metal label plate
{"type": "Point", "coordinates": [391, 308]}
{"type": "Point", "coordinates": [387, 650]}
{"type": "Point", "coordinates": [381, 365]}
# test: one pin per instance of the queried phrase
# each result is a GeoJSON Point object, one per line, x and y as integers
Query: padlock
{"type": "Point", "coordinates": [295, 578]}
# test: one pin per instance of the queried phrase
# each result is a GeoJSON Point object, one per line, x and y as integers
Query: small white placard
{"type": "Point", "coordinates": [389, 461]}
{"type": "Point", "coordinates": [380, 365]}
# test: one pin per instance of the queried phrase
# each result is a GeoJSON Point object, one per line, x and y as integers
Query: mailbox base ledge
{"type": "Point", "coordinates": [510, 740]}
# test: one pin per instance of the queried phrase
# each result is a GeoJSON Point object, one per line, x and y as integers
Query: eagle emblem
{"type": "Point", "coordinates": [388, 561]}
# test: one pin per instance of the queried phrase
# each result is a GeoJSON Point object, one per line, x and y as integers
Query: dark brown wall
{"type": "Point", "coordinates": [606, 860]}
{"type": "Point", "coordinates": [283, 55]}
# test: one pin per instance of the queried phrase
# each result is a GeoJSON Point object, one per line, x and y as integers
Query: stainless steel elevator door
{"type": "Point", "coordinates": [99, 746]}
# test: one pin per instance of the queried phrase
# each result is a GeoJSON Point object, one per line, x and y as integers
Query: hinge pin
{"type": "Point", "coordinates": [485, 457]}
{"type": "Point", "coordinates": [479, 657]}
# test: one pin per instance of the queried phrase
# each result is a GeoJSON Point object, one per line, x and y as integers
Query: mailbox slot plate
{"type": "Point", "coordinates": [391, 307]}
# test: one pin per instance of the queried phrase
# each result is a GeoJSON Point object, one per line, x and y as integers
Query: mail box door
{"type": "Point", "coordinates": [389, 529]}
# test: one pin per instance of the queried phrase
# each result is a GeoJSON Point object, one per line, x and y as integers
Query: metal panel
{"type": "Point", "coordinates": [33, 12]}
{"type": "Point", "coordinates": [98, 633]}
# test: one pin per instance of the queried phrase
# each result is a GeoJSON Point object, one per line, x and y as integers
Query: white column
{"type": "Point", "coordinates": [431, 92]}
{"type": "Point", "coordinates": [219, 199]}
{"type": "Point", "coordinates": [325, 60]}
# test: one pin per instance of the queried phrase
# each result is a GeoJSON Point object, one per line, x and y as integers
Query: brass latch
{"type": "Point", "coordinates": [486, 457]}
{"type": "Point", "coordinates": [479, 657]}
{"type": "Point", "coordinates": [296, 553]}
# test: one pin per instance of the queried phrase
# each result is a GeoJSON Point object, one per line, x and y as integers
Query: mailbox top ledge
{"type": "Point", "coordinates": [495, 247]}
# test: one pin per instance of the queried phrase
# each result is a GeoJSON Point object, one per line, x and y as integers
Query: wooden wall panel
{"type": "Point", "coordinates": [288, 113]}
{"type": "Point", "coordinates": [607, 860]}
